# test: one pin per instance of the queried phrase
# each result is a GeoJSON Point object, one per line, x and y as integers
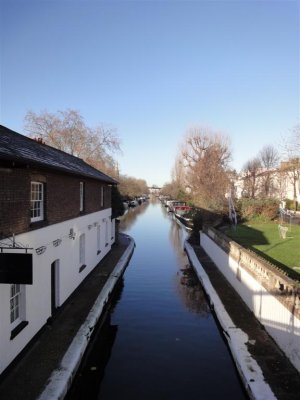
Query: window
{"type": "Point", "coordinates": [113, 230]}
{"type": "Point", "coordinates": [37, 201]}
{"type": "Point", "coordinates": [81, 194]}
{"type": "Point", "coordinates": [17, 309]}
{"type": "Point", "coordinates": [102, 196]}
{"type": "Point", "coordinates": [99, 239]}
{"type": "Point", "coordinates": [106, 233]}
{"type": "Point", "coordinates": [15, 302]}
{"type": "Point", "coordinates": [82, 249]}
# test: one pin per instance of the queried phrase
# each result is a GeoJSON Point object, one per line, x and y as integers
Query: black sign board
{"type": "Point", "coordinates": [16, 268]}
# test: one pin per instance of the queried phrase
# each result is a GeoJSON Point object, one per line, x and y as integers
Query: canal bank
{"type": "Point", "coordinates": [160, 339]}
{"type": "Point", "coordinates": [264, 369]}
{"type": "Point", "coordinates": [166, 343]}
{"type": "Point", "coordinates": [46, 368]}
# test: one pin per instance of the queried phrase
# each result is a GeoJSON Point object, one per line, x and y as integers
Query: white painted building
{"type": "Point", "coordinates": [284, 182]}
{"type": "Point", "coordinates": [55, 226]}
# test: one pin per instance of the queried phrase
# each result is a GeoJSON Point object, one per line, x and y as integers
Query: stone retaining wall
{"type": "Point", "coordinates": [286, 290]}
{"type": "Point", "coordinates": [273, 297]}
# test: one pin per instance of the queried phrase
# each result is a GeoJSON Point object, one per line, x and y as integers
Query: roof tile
{"type": "Point", "coordinates": [17, 147]}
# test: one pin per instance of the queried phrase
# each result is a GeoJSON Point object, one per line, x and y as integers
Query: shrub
{"type": "Point", "coordinates": [205, 217]}
{"type": "Point", "coordinates": [290, 204]}
{"type": "Point", "coordinates": [261, 209]}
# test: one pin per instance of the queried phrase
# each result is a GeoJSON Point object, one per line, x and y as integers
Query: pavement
{"type": "Point", "coordinates": [266, 371]}
{"type": "Point", "coordinates": [46, 367]}
{"type": "Point", "coordinates": [40, 372]}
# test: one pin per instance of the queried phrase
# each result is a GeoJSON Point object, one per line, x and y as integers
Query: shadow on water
{"type": "Point", "coordinates": [88, 380]}
{"type": "Point", "coordinates": [189, 288]}
{"type": "Point", "coordinates": [158, 339]}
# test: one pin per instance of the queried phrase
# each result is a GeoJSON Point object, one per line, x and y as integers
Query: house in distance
{"type": "Point", "coordinates": [55, 226]}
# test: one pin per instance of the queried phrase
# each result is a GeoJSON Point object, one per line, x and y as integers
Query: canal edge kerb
{"type": "Point", "coordinates": [62, 377]}
{"type": "Point", "coordinates": [249, 371]}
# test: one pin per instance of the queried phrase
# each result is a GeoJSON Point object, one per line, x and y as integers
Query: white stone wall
{"type": "Point", "coordinates": [279, 322]}
{"type": "Point", "coordinates": [38, 295]}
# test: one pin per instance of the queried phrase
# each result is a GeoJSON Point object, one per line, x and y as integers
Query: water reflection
{"type": "Point", "coordinates": [191, 292]}
{"type": "Point", "coordinates": [129, 219]}
{"type": "Point", "coordinates": [187, 284]}
{"type": "Point", "coordinates": [166, 344]}
{"type": "Point", "coordinates": [177, 236]}
{"type": "Point", "coordinates": [88, 380]}
{"type": "Point", "coordinates": [165, 213]}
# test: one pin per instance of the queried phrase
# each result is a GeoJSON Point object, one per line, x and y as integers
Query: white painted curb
{"type": "Point", "coordinates": [250, 372]}
{"type": "Point", "coordinates": [61, 378]}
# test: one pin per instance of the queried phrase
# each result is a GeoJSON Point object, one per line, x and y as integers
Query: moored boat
{"type": "Point", "coordinates": [174, 204]}
{"type": "Point", "coordinates": [185, 215]}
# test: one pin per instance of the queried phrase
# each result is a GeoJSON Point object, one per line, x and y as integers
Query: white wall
{"type": "Point", "coordinates": [279, 322]}
{"type": "Point", "coordinates": [38, 295]}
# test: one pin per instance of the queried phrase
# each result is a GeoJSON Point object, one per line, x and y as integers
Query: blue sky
{"type": "Point", "coordinates": [153, 69]}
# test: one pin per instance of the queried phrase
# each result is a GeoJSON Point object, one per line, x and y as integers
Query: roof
{"type": "Point", "coordinates": [20, 148]}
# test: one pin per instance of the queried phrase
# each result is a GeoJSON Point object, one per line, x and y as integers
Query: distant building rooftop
{"type": "Point", "coordinates": [21, 149]}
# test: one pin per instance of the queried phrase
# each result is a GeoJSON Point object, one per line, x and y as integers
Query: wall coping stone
{"type": "Point", "coordinates": [273, 279]}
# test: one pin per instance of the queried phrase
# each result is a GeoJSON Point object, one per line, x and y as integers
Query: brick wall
{"type": "Point", "coordinates": [62, 198]}
{"type": "Point", "coordinates": [93, 196]}
{"type": "Point", "coordinates": [14, 201]}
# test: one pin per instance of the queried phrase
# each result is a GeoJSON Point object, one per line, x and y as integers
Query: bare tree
{"type": "Point", "coordinates": [178, 172]}
{"type": "Point", "coordinates": [178, 186]}
{"type": "Point", "coordinates": [132, 187]}
{"type": "Point", "coordinates": [67, 131]}
{"type": "Point", "coordinates": [291, 167]}
{"type": "Point", "coordinates": [175, 191]}
{"type": "Point", "coordinates": [296, 139]}
{"type": "Point", "coordinates": [205, 156]}
{"type": "Point", "coordinates": [251, 171]}
{"type": "Point", "coordinates": [199, 140]}
{"type": "Point", "coordinates": [269, 158]}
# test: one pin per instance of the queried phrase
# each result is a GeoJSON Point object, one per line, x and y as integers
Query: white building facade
{"type": "Point", "coordinates": [56, 225]}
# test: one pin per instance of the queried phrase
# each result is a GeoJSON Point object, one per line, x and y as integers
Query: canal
{"type": "Point", "coordinates": [159, 340]}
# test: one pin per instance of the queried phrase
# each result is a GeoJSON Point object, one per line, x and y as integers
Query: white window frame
{"type": "Point", "coordinates": [17, 305]}
{"type": "Point", "coordinates": [82, 249]}
{"type": "Point", "coordinates": [81, 196]}
{"type": "Point", "coordinates": [37, 201]}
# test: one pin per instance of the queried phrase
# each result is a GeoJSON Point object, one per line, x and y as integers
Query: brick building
{"type": "Point", "coordinates": [55, 226]}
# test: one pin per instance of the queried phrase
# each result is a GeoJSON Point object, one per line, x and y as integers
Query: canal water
{"type": "Point", "coordinates": [159, 340]}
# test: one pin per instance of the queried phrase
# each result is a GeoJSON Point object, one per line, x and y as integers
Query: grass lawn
{"type": "Point", "coordinates": [264, 239]}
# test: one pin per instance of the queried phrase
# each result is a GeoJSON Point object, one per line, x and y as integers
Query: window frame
{"type": "Point", "coordinates": [37, 204]}
{"type": "Point", "coordinates": [17, 309]}
{"type": "Point", "coordinates": [15, 301]}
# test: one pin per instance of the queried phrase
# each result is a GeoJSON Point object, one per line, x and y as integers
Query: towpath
{"type": "Point", "coordinates": [29, 375]}
{"type": "Point", "coordinates": [279, 373]}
